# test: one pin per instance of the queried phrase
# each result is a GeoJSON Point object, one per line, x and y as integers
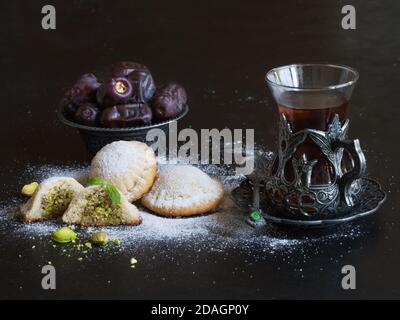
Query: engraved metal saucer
{"type": "Point", "coordinates": [371, 197]}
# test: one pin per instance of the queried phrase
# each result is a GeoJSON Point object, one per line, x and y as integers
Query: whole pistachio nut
{"type": "Point", "coordinates": [29, 189]}
{"type": "Point", "coordinates": [63, 235]}
{"type": "Point", "coordinates": [99, 238]}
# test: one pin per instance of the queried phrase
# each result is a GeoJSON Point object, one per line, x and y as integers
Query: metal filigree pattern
{"type": "Point", "coordinates": [369, 199]}
{"type": "Point", "coordinates": [298, 197]}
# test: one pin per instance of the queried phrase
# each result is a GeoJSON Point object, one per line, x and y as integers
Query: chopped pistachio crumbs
{"type": "Point", "coordinates": [29, 189]}
{"type": "Point", "coordinates": [56, 201]}
{"type": "Point", "coordinates": [88, 245]}
{"type": "Point", "coordinates": [100, 209]}
{"type": "Point", "coordinates": [112, 191]}
{"type": "Point", "coordinates": [98, 238]}
{"type": "Point", "coordinates": [133, 262]}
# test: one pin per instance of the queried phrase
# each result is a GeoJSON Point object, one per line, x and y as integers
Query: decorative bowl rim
{"type": "Point", "coordinates": [75, 125]}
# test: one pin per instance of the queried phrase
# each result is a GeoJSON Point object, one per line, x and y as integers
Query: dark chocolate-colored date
{"type": "Point", "coordinates": [126, 115]}
{"type": "Point", "coordinates": [87, 114]}
{"type": "Point", "coordinates": [168, 101]}
{"type": "Point", "coordinates": [143, 86]}
{"type": "Point", "coordinates": [114, 91]}
{"type": "Point", "coordinates": [84, 90]}
{"type": "Point", "coordinates": [140, 77]}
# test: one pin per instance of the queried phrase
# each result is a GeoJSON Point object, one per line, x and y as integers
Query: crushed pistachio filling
{"type": "Point", "coordinates": [100, 209]}
{"type": "Point", "coordinates": [56, 201]}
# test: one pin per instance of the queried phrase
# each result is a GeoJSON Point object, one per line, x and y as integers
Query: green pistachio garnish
{"type": "Point", "coordinates": [99, 238]}
{"type": "Point", "coordinates": [63, 235]}
{"type": "Point", "coordinates": [111, 189]}
{"type": "Point", "coordinates": [29, 189]}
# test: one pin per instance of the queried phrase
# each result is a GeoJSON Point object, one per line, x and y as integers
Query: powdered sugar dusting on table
{"type": "Point", "coordinates": [219, 231]}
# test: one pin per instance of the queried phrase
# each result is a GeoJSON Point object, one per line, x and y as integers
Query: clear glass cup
{"type": "Point", "coordinates": [309, 95]}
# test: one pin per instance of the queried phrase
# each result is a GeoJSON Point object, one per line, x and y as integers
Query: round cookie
{"type": "Point", "coordinates": [183, 190]}
{"type": "Point", "coordinates": [129, 165]}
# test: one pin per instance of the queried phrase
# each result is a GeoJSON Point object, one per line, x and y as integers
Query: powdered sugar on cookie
{"type": "Point", "coordinates": [183, 190]}
{"type": "Point", "coordinates": [129, 165]}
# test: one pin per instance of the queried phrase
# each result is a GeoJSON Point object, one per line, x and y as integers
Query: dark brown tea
{"type": "Point", "coordinates": [313, 110]}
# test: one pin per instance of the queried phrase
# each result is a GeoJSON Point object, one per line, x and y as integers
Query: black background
{"type": "Point", "coordinates": [220, 51]}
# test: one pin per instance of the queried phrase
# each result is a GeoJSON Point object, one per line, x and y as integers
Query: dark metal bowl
{"type": "Point", "coordinates": [96, 137]}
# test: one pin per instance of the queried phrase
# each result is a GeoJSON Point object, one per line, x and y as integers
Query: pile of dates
{"type": "Point", "coordinates": [127, 98]}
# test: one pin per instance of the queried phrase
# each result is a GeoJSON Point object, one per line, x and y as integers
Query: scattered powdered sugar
{"type": "Point", "coordinates": [218, 231]}
{"type": "Point", "coordinates": [39, 173]}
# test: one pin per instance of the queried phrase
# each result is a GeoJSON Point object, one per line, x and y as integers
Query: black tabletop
{"type": "Point", "coordinates": [220, 51]}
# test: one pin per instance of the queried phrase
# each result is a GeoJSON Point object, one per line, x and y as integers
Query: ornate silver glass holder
{"type": "Point", "coordinates": [371, 194]}
{"type": "Point", "coordinates": [297, 201]}
{"type": "Point", "coordinates": [296, 196]}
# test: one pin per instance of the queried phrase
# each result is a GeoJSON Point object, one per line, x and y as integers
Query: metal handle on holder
{"type": "Point", "coordinates": [359, 165]}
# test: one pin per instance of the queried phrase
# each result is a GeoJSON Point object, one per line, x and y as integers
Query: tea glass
{"type": "Point", "coordinates": [316, 168]}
